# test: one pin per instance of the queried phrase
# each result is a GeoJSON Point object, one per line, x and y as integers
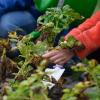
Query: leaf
{"type": "Point", "coordinates": [93, 93]}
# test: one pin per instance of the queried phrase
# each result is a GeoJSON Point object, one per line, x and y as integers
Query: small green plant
{"type": "Point", "coordinates": [93, 70]}
{"type": "Point", "coordinates": [30, 89]}
{"type": "Point", "coordinates": [49, 24]}
{"type": "Point", "coordinates": [54, 21]}
{"type": "Point", "coordinates": [76, 92]}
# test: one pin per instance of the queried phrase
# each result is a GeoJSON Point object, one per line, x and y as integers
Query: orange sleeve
{"type": "Point", "coordinates": [90, 39]}
{"type": "Point", "coordinates": [90, 22]}
{"type": "Point", "coordinates": [86, 25]}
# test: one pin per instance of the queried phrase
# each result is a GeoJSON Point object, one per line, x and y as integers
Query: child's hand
{"type": "Point", "coordinates": [59, 56]}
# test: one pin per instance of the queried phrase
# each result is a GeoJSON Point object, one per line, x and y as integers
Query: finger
{"type": "Point", "coordinates": [60, 60]}
{"type": "Point", "coordinates": [50, 54]}
{"type": "Point", "coordinates": [57, 56]}
{"type": "Point", "coordinates": [61, 63]}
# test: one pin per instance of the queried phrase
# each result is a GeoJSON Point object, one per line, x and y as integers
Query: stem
{"type": "Point", "coordinates": [22, 69]}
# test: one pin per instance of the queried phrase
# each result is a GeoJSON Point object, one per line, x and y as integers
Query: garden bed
{"type": "Point", "coordinates": [22, 66]}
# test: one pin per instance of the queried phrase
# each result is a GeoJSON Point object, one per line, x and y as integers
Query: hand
{"type": "Point", "coordinates": [59, 56]}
